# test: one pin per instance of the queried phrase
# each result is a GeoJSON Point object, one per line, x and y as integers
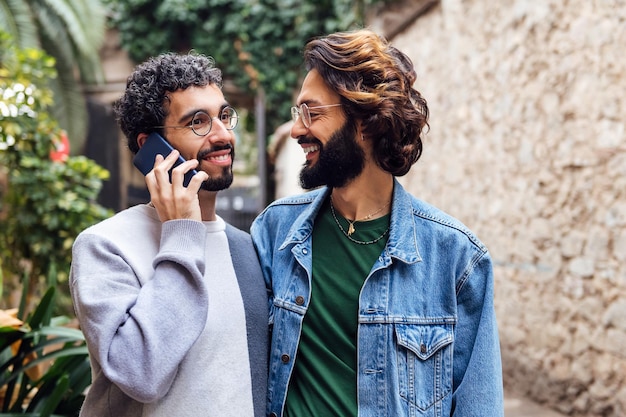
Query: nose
{"type": "Point", "coordinates": [218, 132]}
{"type": "Point", "coordinates": [298, 129]}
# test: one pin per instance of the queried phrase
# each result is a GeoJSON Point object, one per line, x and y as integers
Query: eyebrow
{"type": "Point", "coordinates": [310, 103]}
{"type": "Point", "coordinates": [192, 112]}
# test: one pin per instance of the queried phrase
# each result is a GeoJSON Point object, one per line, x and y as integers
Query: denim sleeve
{"type": "Point", "coordinates": [261, 240]}
{"type": "Point", "coordinates": [477, 378]}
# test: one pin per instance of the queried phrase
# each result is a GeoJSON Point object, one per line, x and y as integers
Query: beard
{"type": "Point", "coordinates": [223, 181]}
{"type": "Point", "coordinates": [339, 161]}
{"type": "Point", "coordinates": [219, 183]}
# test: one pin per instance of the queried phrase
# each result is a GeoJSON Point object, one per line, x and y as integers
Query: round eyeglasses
{"type": "Point", "coordinates": [304, 111]}
{"type": "Point", "coordinates": [201, 123]}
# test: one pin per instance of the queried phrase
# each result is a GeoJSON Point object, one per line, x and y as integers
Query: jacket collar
{"type": "Point", "coordinates": [302, 227]}
{"type": "Point", "coordinates": [402, 242]}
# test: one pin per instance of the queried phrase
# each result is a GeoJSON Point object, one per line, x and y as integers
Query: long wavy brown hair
{"type": "Point", "coordinates": [375, 82]}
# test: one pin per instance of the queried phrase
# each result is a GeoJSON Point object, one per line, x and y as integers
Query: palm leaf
{"type": "Point", "coordinates": [43, 313]}
{"type": "Point", "coordinates": [81, 30]}
{"type": "Point", "coordinates": [88, 18]}
{"type": "Point", "coordinates": [46, 404]}
{"type": "Point", "coordinates": [78, 372]}
{"type": "Point", "coordinates": [16, 19]}
{"type": "Point", "coordinates": [66, 14]}
{"type": "Point", "coordinates": [18, 367]}
{"type": "Point", "coordinates": [70, 106]}
{"type": "Point", "coordinates": [71, 31]}
{"type": "Point", "coordinates": [60, 389]}
{"type": "Point", "coordinates": [54, 37]}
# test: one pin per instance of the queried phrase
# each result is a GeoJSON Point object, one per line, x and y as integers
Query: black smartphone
{"type": "Point", "coordinates": [155, 145]}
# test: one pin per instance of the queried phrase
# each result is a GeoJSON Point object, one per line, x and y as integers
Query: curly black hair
{"type": "Point", "coordinates": [142, 107]}
{"type": "Point", "coordinates": [375, 83]}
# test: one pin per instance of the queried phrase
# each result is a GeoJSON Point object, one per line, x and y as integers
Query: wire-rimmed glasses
{"type": "Point", "coordinates": [201, 123]}
{"type": "Point", "coordinates": [303, 111]}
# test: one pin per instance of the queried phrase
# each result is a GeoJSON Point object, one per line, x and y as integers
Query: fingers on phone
{"type": "Point", "coordinates": [183, 169]}
{"type": "Point", "coordinates": [171, 158]}
{"type": "Point", "coordinates": [198, 179]}
{"type": "Point", "coordinates": [162, 165]}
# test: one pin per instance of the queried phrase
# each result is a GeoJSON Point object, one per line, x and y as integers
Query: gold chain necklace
{"type": "Point", "coordinates": [347, 234]}
{"type": "Point", "coordinates": [351, 228]}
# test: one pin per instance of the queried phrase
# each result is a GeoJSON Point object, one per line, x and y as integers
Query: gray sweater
{"type": "Point", "coordinates": [174, 325]}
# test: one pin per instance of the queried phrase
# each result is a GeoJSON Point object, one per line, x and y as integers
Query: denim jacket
{"type": "Point", "coordinates": [427, 334]}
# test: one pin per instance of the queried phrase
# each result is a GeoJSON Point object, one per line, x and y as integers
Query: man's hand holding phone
{"type": "Point", "coordinates": [172, 199]}
{"type": "Point", "coordinates": [173, 182]}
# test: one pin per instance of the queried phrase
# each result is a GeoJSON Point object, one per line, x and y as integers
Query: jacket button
{"type": "Point", "coordinates": [273, 415]}
{"type": "Point", "coordinates": [305, 251]}
{"type": "Point", "coordinates": [299, 300]}
{"type": "Point", "coordinates": [285, 358]}
{"type": "Point", "coordinates": [423, 348]}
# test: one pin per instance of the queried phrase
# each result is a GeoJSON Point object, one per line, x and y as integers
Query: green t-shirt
{"type": "Point", "coordinates": [324, 377]}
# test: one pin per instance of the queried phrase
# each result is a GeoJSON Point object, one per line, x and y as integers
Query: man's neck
{"type": "Point", "coordinates": [207, 204]}
{"type": "Point", "coordinates": [365, 195]}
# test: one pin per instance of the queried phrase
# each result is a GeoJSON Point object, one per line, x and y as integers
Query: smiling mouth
{"type": "Point", "coordinates": [218, 158]}
{"type": "Point", "coordinates": [217, 154]}
{"type": "Point", "coordinates": [310, 148]}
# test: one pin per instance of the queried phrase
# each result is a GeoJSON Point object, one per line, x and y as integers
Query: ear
{"type": "Point", "coordinates": [141, 139]}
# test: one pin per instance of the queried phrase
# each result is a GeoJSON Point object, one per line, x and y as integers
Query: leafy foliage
{"type": "Point", "coordinates": [71, 31]}
{"type": "Point", "coordinates": [44, 367]}
{"type": "Point", "coordinates": [46, 203]}
{"type": "Point", "coordinates": [257, 44]}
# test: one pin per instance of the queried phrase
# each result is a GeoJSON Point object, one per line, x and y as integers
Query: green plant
{"type": "Point", "coordinates": [44, 203]}
{"type": "Point", "coordinates": [44, 367]}
{"type": "Point", "coordinates": [71, 31]}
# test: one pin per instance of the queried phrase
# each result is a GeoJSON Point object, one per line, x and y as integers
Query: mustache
{"type": "Point", "coordinates": [304, 140]}
{"type": "Point", "coordinates": [212, 149]}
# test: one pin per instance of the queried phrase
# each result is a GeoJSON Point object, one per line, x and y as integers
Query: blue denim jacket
{"type": "Point", "coordinates": [427, 338]}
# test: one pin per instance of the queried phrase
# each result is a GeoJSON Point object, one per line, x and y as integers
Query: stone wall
{"type": "Point", "coordinates": [527, 147]}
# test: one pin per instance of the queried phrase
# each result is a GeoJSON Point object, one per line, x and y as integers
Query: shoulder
{"type": "Point", "coordinates": [236, 235]}
{"type": "Point", "coordinates": [303, 199]}
{"type": "Point", "coordinates": [292, 204]}
{"type": "Point", "coordinates": [128, 221]}
{"type": "Point", "coordinates": [126, 228]}
{"type": "Point", "coordinates": [288, 213]}
{"type": "Point", "coordinates": [429, 218]}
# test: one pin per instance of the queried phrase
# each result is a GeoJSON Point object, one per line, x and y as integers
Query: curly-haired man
{"type": "Point", "coordinates": [171, 298]}
{"type": "Point", "coordinates": [381, 305]}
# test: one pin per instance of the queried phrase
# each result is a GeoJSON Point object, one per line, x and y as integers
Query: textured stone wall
{"type": "Point", "coordinates": [527, 146]}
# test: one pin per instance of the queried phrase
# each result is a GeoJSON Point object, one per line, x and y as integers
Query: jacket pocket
{"type": "Point", "coordinates": [424, 360]}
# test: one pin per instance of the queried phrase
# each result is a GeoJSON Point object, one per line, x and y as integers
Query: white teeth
{"type": "Point", "coordinates": [219, 158]}
{"type": "Point", "coordinates": [310, 149]}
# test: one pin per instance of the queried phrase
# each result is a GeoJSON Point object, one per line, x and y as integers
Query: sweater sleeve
{"type": "Point", "coordinates": [137, 333]}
